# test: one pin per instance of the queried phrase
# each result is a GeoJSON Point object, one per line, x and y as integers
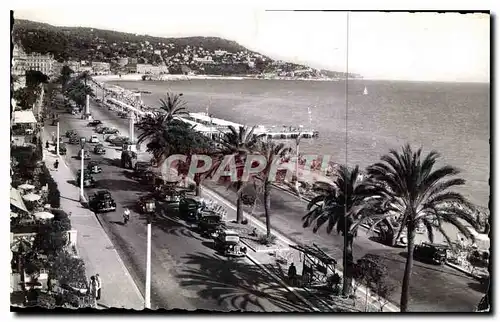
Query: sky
{"type": "Point", "coordinates": [377, 45]}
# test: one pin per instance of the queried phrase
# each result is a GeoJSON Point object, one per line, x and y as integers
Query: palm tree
{"type": "Point", "coordinates": [411, 187]}
{"type": "Point", "coordinates": [272, 152]}
{"type": "Point", "coordinates": [173, 106]}
{"type": "Point", "coordinates": [21, 248]}
{"type": "Point", "coordinates": [337, 205]}
{"type": "Point", "coordinates": [238, 143]}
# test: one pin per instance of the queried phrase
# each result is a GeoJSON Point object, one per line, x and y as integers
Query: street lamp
{"type": "Point", "coordinates": [147, 298]}
{"type": "Point", "coordinates": [57, 138]}
{"type": "Point", "coordinates": [82, 173]}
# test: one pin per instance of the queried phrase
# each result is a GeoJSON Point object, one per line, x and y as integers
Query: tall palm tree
{"type": "Point", "coordinates": [413, 188]}
{"type": "Point", "coordinates": [21, 248]}
{"type": "Point", "coordinates": [337, 205]}
{"type": "Point", "coordinates": [173, 106]}
{"type": "Point", "coordinates": [272, 152]}
{"type": "Point", "coordinates": [238, 143]}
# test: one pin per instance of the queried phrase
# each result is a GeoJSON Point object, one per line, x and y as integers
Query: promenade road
{"type": "Point", "coordinates": [433, 288]}
{"type": "Point", "coordinates": [186, 271]}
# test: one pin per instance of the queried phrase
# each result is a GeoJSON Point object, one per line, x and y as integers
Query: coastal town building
{"type": "Point", "coordinates": [151, 69]}
{"type": "Point", "coordinates": [100, 68]}
{"type": "Point", "coordinates": [34, 61]}
{"type": "Point", "coordinates": [18, 61]}
{"type": "Point", "coordinates": [74, 65]}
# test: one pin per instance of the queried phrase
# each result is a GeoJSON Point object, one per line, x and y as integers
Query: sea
{"type": "Point", "coordinates": [356, 129]}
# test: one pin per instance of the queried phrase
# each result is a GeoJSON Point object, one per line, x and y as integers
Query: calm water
{"type": "Point", "coordinates": [453, 119]}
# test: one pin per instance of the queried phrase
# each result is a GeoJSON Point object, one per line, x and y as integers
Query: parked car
{"type": "Point", "coordinates": [99, 149]}
{"type": "Point", "coordinates": [110, 130]}
{"type": "Point", "coordinates": [88, 179]}
{"type": "Point", "coordinates": [62, 149]}
{"type": "Point", "coordinates": [86, 155]}
{"type": "Point", "coordinates": [94, 167]}
{"type": "Point", "coordinates": [99, 128]}
{"type": "Point", "coordinates": [434, 253]}
{"type": "Point", "coordinates": [118, 140]}
{"type": "Point", "coordinates": [74, 140]}
{"type": "Point", "coordinates": [147, 204]}
{"type": "Point", "coordinates": [102, 201]}
{"type": "Point", "coordinates": [71, 133]}
{"type": "Point", "coordinates": [94, 123]}
{"type": "Point", "coordinates": [94, 139]}
{"type": "Point", "coordinates": [228, 243]}
{"type": "Point", "coordinates": [123, 115]}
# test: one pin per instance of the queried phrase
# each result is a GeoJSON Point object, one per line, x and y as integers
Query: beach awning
{"type": "Point", "coordinates": [23, 117]}
{"type": "Point", "coordinates": [16, 200]}
{"type": "Point", "coordinates": [44, 215]}
{"type": "Point", "coordinates": [31, 197]}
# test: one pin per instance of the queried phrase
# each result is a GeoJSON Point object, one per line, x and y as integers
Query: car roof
{"type": "Point", "coordinates": [230, 232]}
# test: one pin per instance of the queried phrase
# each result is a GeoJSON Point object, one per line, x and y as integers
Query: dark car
{"type": "Point", "coordinates": [147, 204]}
{"type": "Point", "coordinates": [86, 155]}
{"type": "Point", "coordinates": [434, 253]}
{"type": "Point", "coordinates": [99, 149]}
{"type": "Point", "coordinates": [190, 208]}
{"type": "Point", "coordinates": [62, 149]}
{"type": "Point", "coordinates": [88, 180]}
{"type": "Point", "coordinates": [94, 123]}
{"type": "Point", "coordinates": [71, 133]}
{"type": "Point", "coordinates": [74, 140]}
{"type": "Point", "coordinates": [141, 167]}
{"type": "Point", "coordinates": [102, 201]}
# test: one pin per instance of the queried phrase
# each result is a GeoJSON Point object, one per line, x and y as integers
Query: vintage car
{"type": "Point", "coordinates": [118, 140]}
{"type": "Point", "coordinates": [147, 204]}
{"type": "Point", "coordinates": [71, 133]}
{"type": "Point", "coordinates": [62, 149]}
{"type": "Point", "coordinates": [110, 130]}
{"type": "Point", "coordinates": [86, 155]}
{"type": "Point", "coordinates": [94, 123]}
{"type": "Point", "coordinates": [94, 167]}
{"type": "Point", "coordinates": [433, 253]}
{"type": "Point", "coordinates": [74, 140]}
{"type": "Point", "coordinates": [141, 167]}
{"type": "Point", "coordinates": [102, 201]}
{"type": "Point", "coordinates": [94, 139]}
{"type": "Point", "coordinates": [190, 208]}
{"type": "Point", "coordinates": [99, 149]}
{"type": "Point", "coordinates": [54, 121]}
{"type": "Point", "coordinates": [88, 180]}
{"type": "Point", "coordinates": [209, 224]}
{"type": "Point", "coordinates": [228, 242]}
{"type": "Point", "coordinates": [99, 128]}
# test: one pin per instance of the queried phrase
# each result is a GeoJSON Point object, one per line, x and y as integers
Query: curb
{"type": "Point", "coordinates": [279, 280]}
{"type": "Point", "coordinates": [462, 270]}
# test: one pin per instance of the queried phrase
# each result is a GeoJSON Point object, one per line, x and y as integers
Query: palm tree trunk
{"type": "Point", "coordinates": [348, 264]}
{"type": "Point", "coordinates": [267, 208]}
{"type": "Point", "coordinates": [405, 289]}
{"type": "Point", "coordinates": [197, 190]}
{"type": "Point", "coordinates": [239, 205]}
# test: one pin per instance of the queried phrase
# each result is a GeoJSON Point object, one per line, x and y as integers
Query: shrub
{"type": "Point", "coordinates": [50, 239]}
{"type": "Point", "coordinates": [54, 196]}
{"type": "Point", "coordinates": [264, 240]}
{"type": "Point", "coordinates": [69, 270]}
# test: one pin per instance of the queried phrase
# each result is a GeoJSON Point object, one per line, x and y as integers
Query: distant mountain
{"type": "Point", "coordinates": [91, 44]}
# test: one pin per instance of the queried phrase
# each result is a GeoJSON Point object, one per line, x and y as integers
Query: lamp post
{"type": "Point", "coordinates": [147, 297]}
{"type": "Point", "coordinates": [57, 138]}
{"type": "Point", "coordinates": [82, 173]}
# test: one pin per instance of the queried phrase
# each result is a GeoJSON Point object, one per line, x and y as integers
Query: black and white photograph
{"type": "Point", "coordinates": [217, 158]}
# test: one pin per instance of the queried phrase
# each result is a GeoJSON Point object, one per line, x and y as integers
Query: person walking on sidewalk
{"type": "Point", "coordinates": [126, 216]}
{"type": "Point", "coordinates": [93, 291]}
{"type": "Point", "coordinates": [99, 286]}
{"type": "Point", "coordinates": [56, 165]}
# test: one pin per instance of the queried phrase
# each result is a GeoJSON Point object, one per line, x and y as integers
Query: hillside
{"type": "Point", "coordinates": [205, 55]}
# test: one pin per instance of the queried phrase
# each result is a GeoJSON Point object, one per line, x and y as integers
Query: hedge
{"type": "Point", "coordinates": [54, 196]}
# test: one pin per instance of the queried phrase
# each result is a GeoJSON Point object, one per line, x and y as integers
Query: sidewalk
{"type": "Point", "coordinates": [93, 245]}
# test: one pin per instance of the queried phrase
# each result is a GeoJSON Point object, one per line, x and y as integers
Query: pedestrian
{"type": "Point", "coordinates": [292, 273]}
{"type": "Point", "coordinates": [47, 145]}
{"type": "Point", "coordinates": [93, 291]}
{"type": "Point", "coordinates": [99, 286]}
{"type": "Point", "coordinates": [56, 165]}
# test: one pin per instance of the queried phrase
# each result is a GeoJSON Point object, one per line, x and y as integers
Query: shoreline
{"type": "Point", "coordinates": [170, 77]}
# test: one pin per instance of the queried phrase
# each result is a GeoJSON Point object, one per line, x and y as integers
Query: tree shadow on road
{"type": "Point", "coordinates": [237, 284]}
{"type": "Point", "coordinates": [112, 162]}
{"type": "Point", "coordinates": [478, 287]}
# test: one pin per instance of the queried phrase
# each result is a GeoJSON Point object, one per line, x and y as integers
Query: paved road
{"type": "Point", "coordinates": [186, 272]}
{"type": "Point", "coordinates": [433, 288]}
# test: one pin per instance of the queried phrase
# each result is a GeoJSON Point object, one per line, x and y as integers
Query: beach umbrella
{"type": "Point", "coordinates": [26, 186]}
{"type": "Point", "coordinates": [31, 197]}
{"type": "Point", "coordinates": [13, 215]}
{"type": "Point", "coordinates": [43, 215]}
